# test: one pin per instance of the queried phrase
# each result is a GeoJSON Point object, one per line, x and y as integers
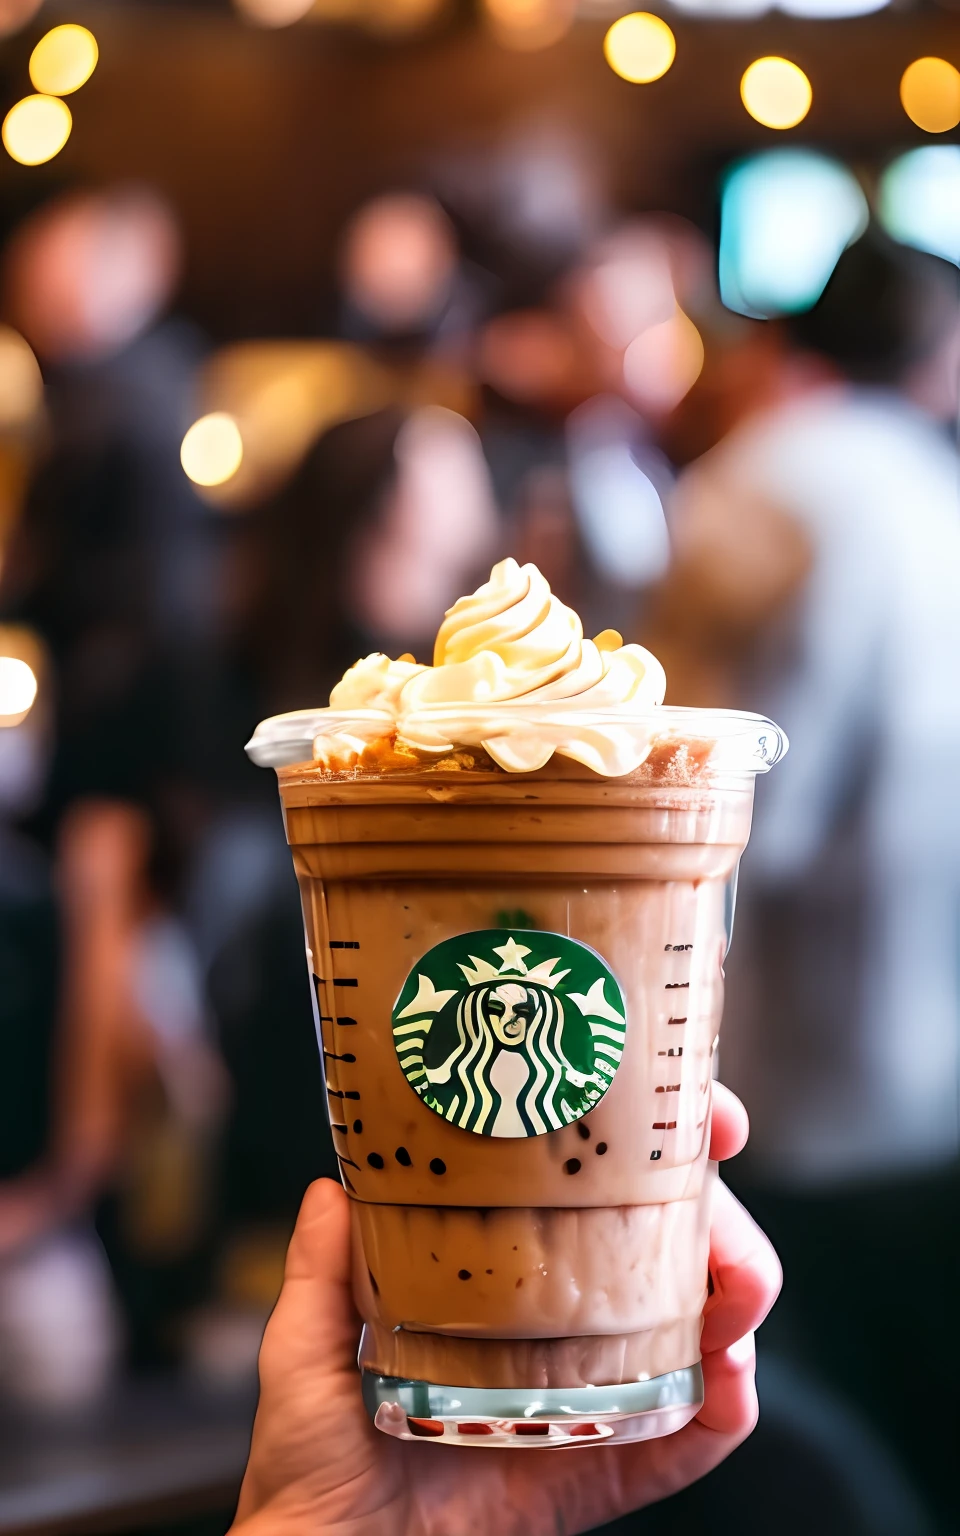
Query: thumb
{"type": "Point", "coordinates": [315, 1320]}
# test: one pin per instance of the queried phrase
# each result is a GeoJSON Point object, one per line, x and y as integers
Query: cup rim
{"type": "Point", "coordinates": [743, 742]}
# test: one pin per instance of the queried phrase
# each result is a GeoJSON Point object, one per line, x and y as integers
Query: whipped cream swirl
{"type": "Point", "coordinates": [513, 674]}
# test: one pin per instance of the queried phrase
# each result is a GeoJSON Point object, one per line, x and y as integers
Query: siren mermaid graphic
{"type": "Point", "coordinates": [504, 1046]}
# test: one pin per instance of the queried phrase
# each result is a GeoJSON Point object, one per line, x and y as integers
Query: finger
{"type": "Point", "coordinates": [729, 1414]}
{"type": "Point", "coordinates": [730, 1125]}
{"type": "Point", "coordinates": [315, 1307]}
{"type": "Point", "coordinates": [730, 1389]}
{"type": "Point", "coordinates": [744, 1270]}
{"type": "Point", "coordinates": [599, 1484]}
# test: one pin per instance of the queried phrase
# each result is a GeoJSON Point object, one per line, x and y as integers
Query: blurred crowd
{"type": "Point", "coordinates": [773, 506]}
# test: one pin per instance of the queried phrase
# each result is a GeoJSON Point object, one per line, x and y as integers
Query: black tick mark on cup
{"type": "Point", "coordinates": [572, 1165]}
{"type": "Point", "coordinates": [374, 1159]}
{"type": "Point", "coordinates": [403, 1157]}
{"type": "Point", "coordinates": [437, 1165]}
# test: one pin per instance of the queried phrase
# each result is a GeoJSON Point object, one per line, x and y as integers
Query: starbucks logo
{"type": "Point", "coordinates": [510, 1033]}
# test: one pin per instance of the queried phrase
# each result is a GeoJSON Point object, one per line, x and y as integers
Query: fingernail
{"type": "Point", "coordinates": [744, 1352]}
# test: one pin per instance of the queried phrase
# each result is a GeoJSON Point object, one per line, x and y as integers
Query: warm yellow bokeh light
{"type": "Point", "coordinates": [527, 25]}
{"type": "Point", "coordinates": [776, 92]}
{"type": "Point", "coordinates": [63, 60]}
{"type": "Point", "coordinates": [212, 451]}
{"type": "Point", "coordinates": [930, 93]}
{"type": "Point", "coordinates": [18, 689]}
{"type": "Point", "coordinates": [21, 383]}
{"type": "Point", "coordinates": [640, 47]}
{"type": "Point", "coordinates": [274, 13]}
{"type": "Point", "coordinates": [36, 129]}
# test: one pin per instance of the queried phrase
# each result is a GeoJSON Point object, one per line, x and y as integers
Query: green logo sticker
{"type": "Point", "coordinates": [510, 1033]}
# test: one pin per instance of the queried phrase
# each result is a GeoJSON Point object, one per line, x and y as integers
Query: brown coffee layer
{"type": "Point", "coordinates": [513, 1273]}
{"type": "Point", "coordinates": [531, 1363]}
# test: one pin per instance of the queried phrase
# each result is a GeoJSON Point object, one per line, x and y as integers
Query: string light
{"type": "Point", "coordinates": [36, 129]}
{"type": "Point", "coordinates": [930, 94]}
{"type": "Point", "coordinates": [776, 92]}
{"type": "Point", "coordinates": [21, 383]}
{"type": "Point", "coordinates": [527, 25]}
{"type": "Point", "coordinates": [212, 451]}
{"type": "Point", "coordinates": [63, 60]}
{"type": "Point", "coordinates": [639, 47]}
{"type": "Point", "coordinates": [18, 689]}
{"type": "Point", "coordinates": [273, 13]}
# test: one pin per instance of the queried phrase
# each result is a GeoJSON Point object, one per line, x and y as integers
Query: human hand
{"type": "Point", "coordinates": [318, 1467]}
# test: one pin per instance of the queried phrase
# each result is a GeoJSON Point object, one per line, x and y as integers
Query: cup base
{"type": "Point", "coordinates": [530, 1418]}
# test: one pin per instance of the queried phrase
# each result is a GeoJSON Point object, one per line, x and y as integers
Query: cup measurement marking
{"type": "Point", "coordinates": [676, 1021]}
{"type": "Point", "coordinates": [344, 1021]}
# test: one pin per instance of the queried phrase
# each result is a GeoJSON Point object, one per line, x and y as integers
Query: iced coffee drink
{"type": "Point", "coordinates": [517, 868]}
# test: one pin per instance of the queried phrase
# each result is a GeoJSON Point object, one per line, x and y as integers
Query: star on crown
{"type": "Point", "coordinates": [513, 967]}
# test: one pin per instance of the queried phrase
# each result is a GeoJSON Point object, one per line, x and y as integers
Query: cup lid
{"type": "Point", "coordinates": [740, 742]}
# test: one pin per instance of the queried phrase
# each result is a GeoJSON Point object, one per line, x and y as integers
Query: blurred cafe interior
{"type": "Point", "coordinates": [309, 311]}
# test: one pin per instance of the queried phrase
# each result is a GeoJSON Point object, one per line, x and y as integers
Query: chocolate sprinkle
{"type": "Point", "coordinates": [572, 1165]}
{"type": "Point", "coordinates": [374, 1159]}
{"type": "Point", "coordinates": [403, 1157]}
{"type": "Point", "coordinates": [464, 1274]}
{"type": "Point", "coordinates": [601, 1148]}
{"type": "Point", "coordinates": [583, 1130]}
{"type": "Point", "coordinates": [437, 1165]}
{"type": "Point", "coordinates": [358, 1127]}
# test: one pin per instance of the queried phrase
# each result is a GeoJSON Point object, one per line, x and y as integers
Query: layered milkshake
{"type": "Point", "coordinates": [517, 869]}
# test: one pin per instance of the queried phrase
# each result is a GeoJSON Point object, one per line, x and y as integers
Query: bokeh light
{"type": "Point", "coordinates": [776, 92]}
{"type": "Point", "coordinates": [639, 47]}
{"type": "Point", "coordinates": [398, 261]}
{"type": "Point", "coordinates": [36, 129]}
{"type": "Point", "coordinates": [15, 14]}
{"type": "Point", "coordinates": [63, 60]}
{"type": "Point", "coordinates": [830, 10]}
{"type": "Point", "coordinates": [663, 363]}
{"type": "Point", "coordinates": [529, 24]}
{"type": "Point", "coordinates": [397, 18]}
{"type": "Point", "coordinates": [18, 689]}
{"type": "Point", "coordinates": [918, 200]}
{"type": "Point", "coordinates": [273, 13]}
{"type": "Point", "coordinates": [21, 383]}
{"type": "Point", "coordinates": [212, 451]}
{"type": "Point", "coordinates": [785, 217]}
{"type": "Point", "coordinates": [930, 94]}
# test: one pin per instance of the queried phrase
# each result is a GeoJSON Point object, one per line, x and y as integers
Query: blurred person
{"type": "Point", "coordinates": [114, 560]}
{"type": "Point", "coordinates": [815, 567]}
{"type": "Point", "coordinates": [118, 566]}
{"type": "Point", "coordinates": [133, 1095]}
{"type": "Point", "coordinates": [367, 545]}
{"type": "Point", "coordinates": [401, 272]}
